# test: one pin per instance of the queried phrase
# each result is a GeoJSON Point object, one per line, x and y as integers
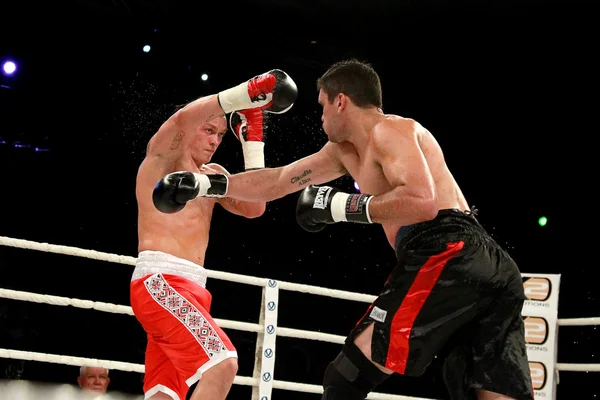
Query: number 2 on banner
{"type": "Point", "coordinates": [536, 330]}
{"type": "Point", "coordinates": [538, 375]}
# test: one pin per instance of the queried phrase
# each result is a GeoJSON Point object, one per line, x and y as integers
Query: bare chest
{"type": "Point", "coordinates": [201, 208]}
{"type": "Point", "coordinates": [196, 211]}
{"type": "Point", "coordinates": [367, 173]}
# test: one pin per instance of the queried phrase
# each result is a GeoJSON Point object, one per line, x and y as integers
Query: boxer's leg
{"type": "Point", "coordinates": [216, 381]}
{"type": "Point", "coordinates": [161, 380]}
{"type": "Point", "coordinates": [492, 354]}
{"type": "Point", "coordinates": [181, 325]}
{"type": "Point", "coordinates": [351, 376]}
{"type": "Point", "coordinates": [406, 326]}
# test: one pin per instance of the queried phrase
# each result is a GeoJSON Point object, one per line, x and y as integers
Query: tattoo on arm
{"type": "Point", "coordinates": [232, 202]}
{"type": "Point", "coordinates": [301, 179]}
{"type": "Point", "coordinates": [177, 140]}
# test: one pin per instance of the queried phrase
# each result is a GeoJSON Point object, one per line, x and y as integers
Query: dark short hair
{"type": "Point", "coordinates": [356, 79]}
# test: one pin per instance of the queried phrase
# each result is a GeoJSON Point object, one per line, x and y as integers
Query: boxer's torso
{"type": "Point", "coordinates": [183, 234]}
{"type": "Point", "coordinates": [368, 173]}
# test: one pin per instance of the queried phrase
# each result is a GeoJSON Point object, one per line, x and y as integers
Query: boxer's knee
{"type": "Point", "coordinates": [161, 396]}
{"type": "Point", "coordinates": [351, 376]}
{"type": "Point", "coordinates": [229, 367]}
{"type": "Point", "coordinates": [224, 372]}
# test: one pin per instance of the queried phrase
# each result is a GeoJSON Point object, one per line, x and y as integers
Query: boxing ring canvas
{"type": "Point", "coordinates": [540, 313]}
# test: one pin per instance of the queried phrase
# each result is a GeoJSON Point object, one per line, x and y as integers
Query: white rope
{"type": "Point", "coordinates": [227, 276]}
{"type": "Point", "coordinates": [579, 321]}
{"type": "Point", "coordinates": [338, 294]}
{"type": "Point", "coordinates": [93, 362]}
{"type": "Point", "coordinates": [317, 389]}
{"type": "Point", "coordinates": [101, 256]}
{"type": "Point", "coordinates": [119, 309]}
{"type": "Point", "coordinates": [251, 280]}
{"type": "Point", "coordinates": [129, 367]}
{"type": "Point", "coordinates": [64, 301]}
{"type": "Point", "coordinates": [67, 250]}
{"type": "Point", "coordinates": [578, 367]}
{"type": "Point", "coordinates": [237, 325]}
{"type": "Point", "coordinates": [301, 334]}
{"type": "Point", "coordinates": [108, 307]}
{"type": "Point", "coordinates": [239, 380]}
{"type": "Point", "coordinates": [68, 360]}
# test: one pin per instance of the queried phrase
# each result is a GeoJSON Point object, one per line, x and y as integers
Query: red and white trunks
{"type": "Point", "coordinates": [169, 299]}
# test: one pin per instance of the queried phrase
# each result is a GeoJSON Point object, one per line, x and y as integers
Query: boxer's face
{"type": "Point", "coordinates": [208, 138]}
{"type": "Point", "coordinates": [331, 118]}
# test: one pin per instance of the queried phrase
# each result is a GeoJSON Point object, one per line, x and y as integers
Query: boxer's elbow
{"type": "Point", "coordinates": [255, 209]}
{"type": "Point", "coordinates": [427, 206]}
{"type": "Point", "coordinates": [416, 205]}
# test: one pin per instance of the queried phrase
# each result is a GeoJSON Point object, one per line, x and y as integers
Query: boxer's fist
{"type": "Point", "coordinates": [276, 88]}
{"type": "Point", "coordinates": [172, 192]}
{"type": "Point", "coordinates": [313, 210]}
{"type": "Point", "coordinates": [321, 205]}
{"type": "Point", "coordinates": [249, 127]}
{"type": "Point", "coordinates": [274, 91]}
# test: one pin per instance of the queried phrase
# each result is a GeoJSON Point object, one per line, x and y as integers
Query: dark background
{"type": "Point", "coordinates": [508, 88]}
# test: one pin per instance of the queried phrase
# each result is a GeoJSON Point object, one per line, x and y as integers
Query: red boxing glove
{"type": "Point", "coordinates": [274, 91]}
{"type": "Point", "coordinates": [261, 88]}
{"type": "Point", "coordinates": [248, 126]}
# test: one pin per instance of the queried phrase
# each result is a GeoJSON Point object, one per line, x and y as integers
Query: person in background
{"type": "Point", "coordinates": [93, 381]}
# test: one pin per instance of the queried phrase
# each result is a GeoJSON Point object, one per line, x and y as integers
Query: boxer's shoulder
{"type": "Point", "coordinates": [215, 168]}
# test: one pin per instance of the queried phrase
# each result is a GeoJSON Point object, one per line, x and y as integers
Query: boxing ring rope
{"type": "Point", "coordinates": [227, 324]}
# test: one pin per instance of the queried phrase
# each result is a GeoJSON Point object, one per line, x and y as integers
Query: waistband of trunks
{"type": "Point", "coordinates": [153, 262]}
{"type": "Point", "coordinates": [448, 226]}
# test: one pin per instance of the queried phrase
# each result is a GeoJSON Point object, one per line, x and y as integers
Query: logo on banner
{"type": "Point", "coordinates": [272, 283]}
{"type": "Point", "coordinates": [270, 329]}
{"type": "Point", "coordinates": [271, 305]}
{"type": "Point", "coordinates": [536, 330]}
{"type": "Point", "coordinates": [537, 289]}
{"type": "Point", "coordinates": [264, 398]}
{"type": "Point", "coordinates": [266, 377]}
{"type": "Point", "coordinates": [538, 375]}
{"type": "Point", "coordinates": [268, 353]}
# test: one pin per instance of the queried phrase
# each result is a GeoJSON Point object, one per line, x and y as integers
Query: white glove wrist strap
{"type": "Point", "coordinates": [203, 183]}
{"type": "Point", "coordinates": [221, 185]}
{"type": "Point", "coordinates": [254, 154]}
{"type": "Point", "coordinates": [351, 208]}
{"type": "Point", "coordinates": [235, 98]}
{"type": "Point", "coordinates": [338, 207]}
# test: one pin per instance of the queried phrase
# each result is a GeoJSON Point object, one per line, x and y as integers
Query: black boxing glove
{"type": "Point", "coordinates": [274, 91]}
{"type": "Point", "coordinates": [321, 205]}
{"type": "Point", "coordinates": [172, 192]}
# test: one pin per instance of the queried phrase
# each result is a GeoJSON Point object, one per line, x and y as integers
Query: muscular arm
{"type": "Point", "coordinates": [413, 197]}
{"type": "Point", "coordinates": [272, 183]}
{"type": "Point", "coordinates": [178, 131]}
{"type": "Point", "coordinates": [248, 209]}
